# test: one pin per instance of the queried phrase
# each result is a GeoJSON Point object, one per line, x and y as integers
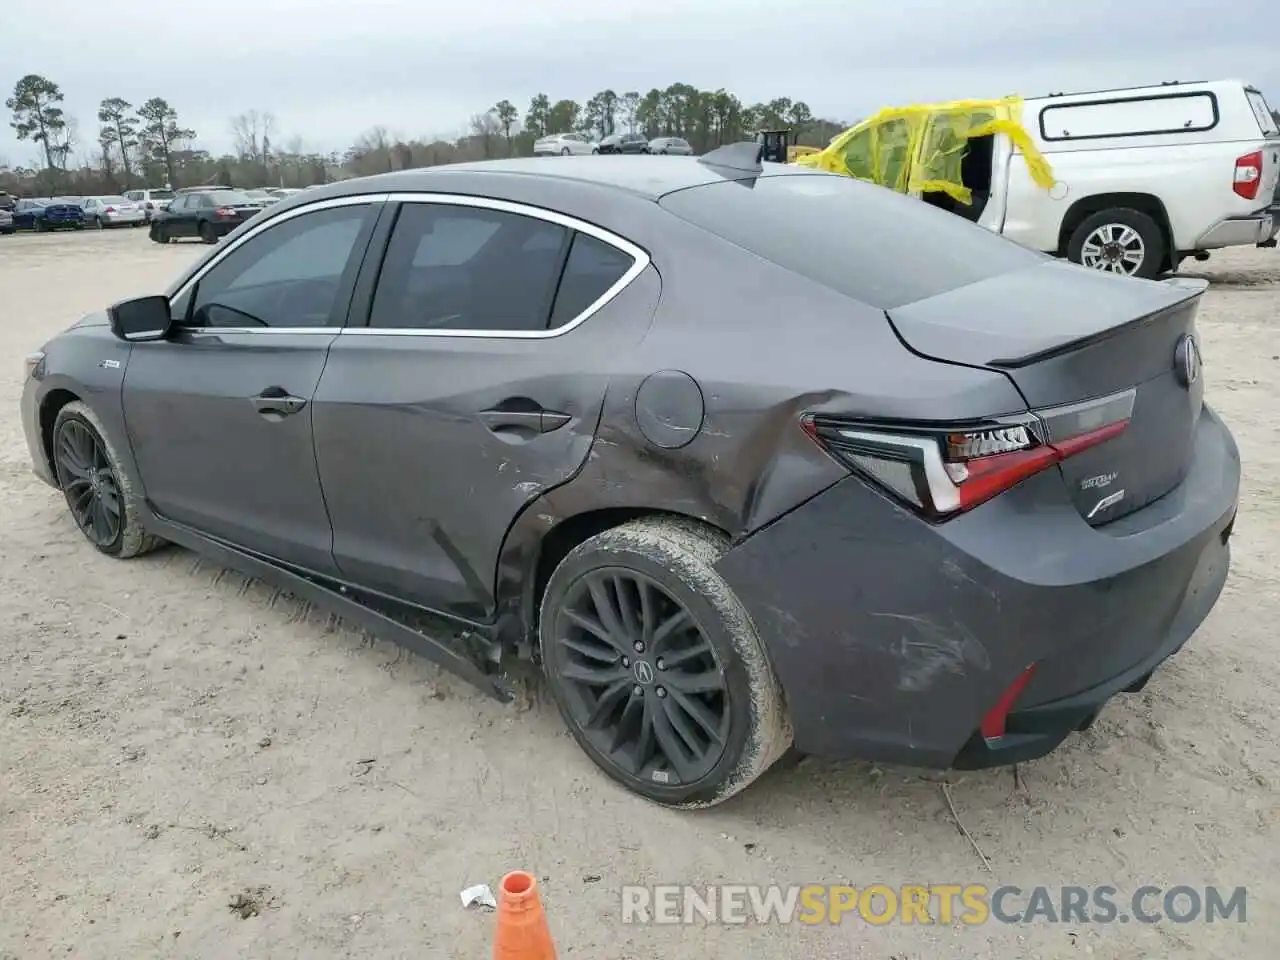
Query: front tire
{"type": "Point", "coordinates": [656, 667]}
{"type": "Point", "coordinates": [102, 498]}
{"type": "Point", "coordinates": [1122, 240]}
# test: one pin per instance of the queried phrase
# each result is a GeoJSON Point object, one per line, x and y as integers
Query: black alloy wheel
{"type": "Point", "coordinates": [89, 483]}
{"type": "Point", "coordinates": [643, 683]}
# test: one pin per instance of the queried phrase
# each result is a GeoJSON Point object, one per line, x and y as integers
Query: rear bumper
{"type": "Point", "coordinates": [892, 638]}
{"type": "Point", "coordinates": [1240, 231]}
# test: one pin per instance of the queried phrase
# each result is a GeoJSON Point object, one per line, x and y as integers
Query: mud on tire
{"type": "Point", "coordinates": [678, 556]}
{"type": "Point", "coordinates": [133, 540]}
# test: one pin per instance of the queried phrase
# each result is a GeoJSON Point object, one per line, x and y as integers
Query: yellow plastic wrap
{"type": "Point", "coordinates": [918, 148]}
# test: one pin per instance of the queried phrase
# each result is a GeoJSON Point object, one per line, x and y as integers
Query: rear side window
{"type": "Point", "coordinates": [453, 267]}
{"type": "Point", "coordinates": [468, 268]}
{"type": "Point", "coordinates": [1262, 110]}
{"type": "Point", "coordinates": [877, 246]}
{"type": "Point", "coordinates": [1131, 117]}
{"type": "Point", "coordinates": [592, 268]}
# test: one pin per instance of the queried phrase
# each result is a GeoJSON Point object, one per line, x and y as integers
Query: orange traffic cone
{"type": "Point", "coordinates": [522, 932]}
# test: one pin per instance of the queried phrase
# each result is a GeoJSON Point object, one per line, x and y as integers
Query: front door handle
{"type": "Point", "coordinates": [274, 403]}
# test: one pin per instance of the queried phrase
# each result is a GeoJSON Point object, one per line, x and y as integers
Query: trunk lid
{"type": "Point", "coordinates": [1064, 334]}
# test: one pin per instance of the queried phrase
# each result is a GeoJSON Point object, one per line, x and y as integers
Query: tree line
{"type": "Point", "coordinates": [147, 145]}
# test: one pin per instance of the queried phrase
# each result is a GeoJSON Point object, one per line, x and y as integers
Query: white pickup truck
{"type": "Point", "coordinates": [1145, 177]}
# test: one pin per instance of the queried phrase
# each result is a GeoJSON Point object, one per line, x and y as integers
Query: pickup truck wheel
{"type": "Point", "coordinates": [1122, 241]}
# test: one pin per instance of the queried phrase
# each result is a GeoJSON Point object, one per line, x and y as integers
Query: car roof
{"type": "Point", "coordinates": [645, 176]}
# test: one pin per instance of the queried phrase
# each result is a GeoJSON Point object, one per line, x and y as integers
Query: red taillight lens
{"type": "Point", "coordinates": [225, 212]}
{"type": "Point", "coordinates": [944, 472]}
{"type": "Point", "coordinates": [1248, 175]}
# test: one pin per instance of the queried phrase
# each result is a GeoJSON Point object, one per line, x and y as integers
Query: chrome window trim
{"type": "Point", "coordinates": [640, 262]}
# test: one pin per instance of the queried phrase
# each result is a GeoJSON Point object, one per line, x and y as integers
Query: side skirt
{"type": "Point", "coordinates": [341, 598]}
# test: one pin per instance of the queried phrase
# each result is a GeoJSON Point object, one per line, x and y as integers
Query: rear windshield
{"type": "Point", "coordinates": [228, 198]}
{"type": "Point", "coordinates": [111, 200]}
{"type": "Point", "coordinates": [161, 194]}
{"type": "Point", "coordinates": [865, 241]}
{"type": "Point", "coordinates": [1261, 110]}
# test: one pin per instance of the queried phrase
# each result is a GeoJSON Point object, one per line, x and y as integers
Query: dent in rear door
{"type": "Point", "coordinates": [422, 474]}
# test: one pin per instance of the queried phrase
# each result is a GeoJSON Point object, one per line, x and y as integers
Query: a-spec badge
{"type": "Point", "coordinates": [1186, 360]}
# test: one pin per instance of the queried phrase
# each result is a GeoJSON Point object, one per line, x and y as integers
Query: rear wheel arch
{"type": "Point", "coordinates": [1146, 203]}
{"type": "Point", "coordinates": [531, 561]}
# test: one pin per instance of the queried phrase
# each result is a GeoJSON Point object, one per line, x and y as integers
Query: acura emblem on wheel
{"type": "Point", "coordinates": [1186, 360]}
{"type": "Point", "coordinates": [643, 672]}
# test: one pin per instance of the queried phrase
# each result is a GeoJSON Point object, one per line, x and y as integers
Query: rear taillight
{"type": "Point", "coordinates": [110, 210]}
{"type": "Point", "coordinates": [1248, 175]}
{"type": "Point", "coordinates": [225, 212]}
{"type": "Point", "coordinates": [944, 471]}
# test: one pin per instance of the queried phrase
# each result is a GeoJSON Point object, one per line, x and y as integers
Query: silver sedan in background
{"type": "Point", "coordinates": [672, 145]}
{"type": "Point", "coordinates": [112, 211]}
{"type": "Point", "coordinates": [564, 144]}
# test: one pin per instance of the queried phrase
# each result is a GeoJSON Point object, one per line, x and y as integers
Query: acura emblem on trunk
{"type": "Point", "coordinates": [1186, 360]}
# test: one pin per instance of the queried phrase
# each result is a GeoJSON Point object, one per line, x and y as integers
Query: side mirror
{"type": "Point", "coordinates": [143, 318]}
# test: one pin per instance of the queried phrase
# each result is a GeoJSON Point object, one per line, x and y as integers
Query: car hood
{"type": "Point", "coordinates": [96, 319]}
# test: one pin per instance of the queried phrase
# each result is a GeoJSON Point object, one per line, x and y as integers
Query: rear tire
{"type": "Point", "coordinates": [94, 483]}
{"type": "Point", "coordinates": [564, 152]}
{"type": "Point", "coordinates": [1121, 240]}
{"type": "Point", "coordinates": [207, 234]}
{"type": "Point", "coordinates": [98, 224]}
{"type": "Point", "coordinates": [649, 675]}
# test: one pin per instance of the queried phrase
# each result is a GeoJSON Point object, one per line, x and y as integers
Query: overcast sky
{"type": "Point", "coordinates": [330, 70]}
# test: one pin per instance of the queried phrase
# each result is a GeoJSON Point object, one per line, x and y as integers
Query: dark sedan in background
{"type": "Point", "coordinates": [744, 455]}
{"type": "Point", "coordinates": [625, 143]}
{"type": "Point", "coordinates": [42, 215]}
{"type": "Point", "coordinates": [206, 214]}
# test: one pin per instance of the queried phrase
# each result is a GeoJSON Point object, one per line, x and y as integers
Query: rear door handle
{"type": "Point", "coordinates": [275, 402]}
{"type": "Point", "coordinates": [512, 419]}
{"type": "Point", "coordinates": [526, 420]}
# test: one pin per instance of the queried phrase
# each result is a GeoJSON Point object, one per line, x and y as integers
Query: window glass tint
{"type": "Point", "coordinates": [287, 276]}
{"type": "Point", "coordinates": [467, 268]}
{"type": "Point", "coordinates": [877, 246]}
{"type": "Point", "coordinates": [161, 194]}
{"type": "Point", "coordinates": [592, 268]}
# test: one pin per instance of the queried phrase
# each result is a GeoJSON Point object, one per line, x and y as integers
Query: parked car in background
{"type": "Point", "coordinates": [113, 211]}
{"type": "Point", "coordinates": [150, 200]}
{"type": "Point", "coordinates": [554, 402]}
{"type": "Point", "coordinates": [263, 196]}
{"type": "Point", "coordinates": [564, 144]}
{"type": "Point", "coordinates": [625, 143]}
{"type": "Point", "coordinates": [41, 215]}
{"type": "Point", "coordinates": [284, 193]}
{"type": "Point", "coordinates": [7, 201]}
{"type": "Point", "coordinates": [672, 145]}
{"type": "Point", "coordinates": [6, 221]}
{"type": "Point", "coordinates": [207, 214]}
{"type": "Point", "coordinates": [1153, 174]}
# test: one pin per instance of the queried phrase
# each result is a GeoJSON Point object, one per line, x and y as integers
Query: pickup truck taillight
{"type": "Point", "coordinates": [1248, 175]}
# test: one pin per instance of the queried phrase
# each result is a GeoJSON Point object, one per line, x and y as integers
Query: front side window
{"type": "Point", "coordinates": [290, 275]}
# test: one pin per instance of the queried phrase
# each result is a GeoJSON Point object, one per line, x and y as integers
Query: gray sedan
{"type": "Point", "coordinates": [672, 145]}
{"type": "Point", "coordinates": [744, 456]}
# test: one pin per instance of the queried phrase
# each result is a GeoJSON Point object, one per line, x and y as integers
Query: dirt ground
{"type": "Point", "coordinates": [174, 740]}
